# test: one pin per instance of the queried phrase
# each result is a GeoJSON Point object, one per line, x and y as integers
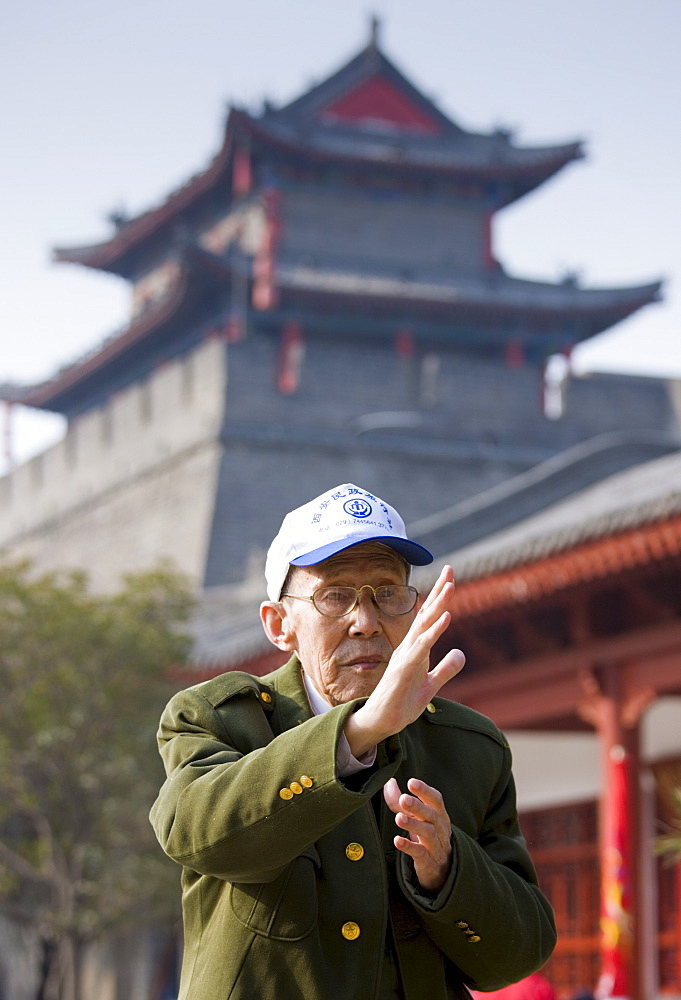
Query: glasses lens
{"type": "Point", "coordinates": [396, 600]}
{"type": "Point", "coordinates": [393, 599]}
{"type": "Point", "coordinates": [334, 601]}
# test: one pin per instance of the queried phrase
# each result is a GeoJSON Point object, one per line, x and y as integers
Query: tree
{"type": "Point", "coordinates": [83, 679]}
{"type": "Point", "coordinates": [668, 779]}
{"type": "Point", "coordinates": [669, 843]}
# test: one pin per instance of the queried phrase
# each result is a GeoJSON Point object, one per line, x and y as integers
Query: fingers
{"type": "Point", "coordinates": [442, 591]}
{"type": "Point", "coordinates": [428, 795]}
{"type": "Point", "coordinates": [434, 616]}
{"type": "Point", "coordinates": [437, 601]}
{"type": "Point", "coordinates": [423, 808]}
{"type": "Point", "coordinates": [449, 666]}
{"type": "Point", "coordinates": [423, 817]}
{"type": "Point", "coordinates": [408, 684]}
{"type": "Point", "coordinates": [425, 633]}
{"type": "Point", "coordinates": [391, 794]}
{"type": "Point", "coordinates": [446, 576]}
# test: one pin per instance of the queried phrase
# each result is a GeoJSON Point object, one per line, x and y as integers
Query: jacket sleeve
{"type": "Point", "coordinates": [220, 811]}
{"type": "Point", "coordinates": [491, 920]}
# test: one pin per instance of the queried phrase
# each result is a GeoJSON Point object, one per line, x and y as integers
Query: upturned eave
{"type": "Point", "coordinates": [473, 299]}
{"type": "Point", "coordinates": [112, 255]}
{"type": "Point", "coordinates": [55, 394]}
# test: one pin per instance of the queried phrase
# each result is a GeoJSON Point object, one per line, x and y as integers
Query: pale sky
{"type": "Point", "coordinates": [108, 105]}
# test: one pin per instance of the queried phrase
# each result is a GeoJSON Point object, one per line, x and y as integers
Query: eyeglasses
{"type": "Point", "coordinates": [334, 602]}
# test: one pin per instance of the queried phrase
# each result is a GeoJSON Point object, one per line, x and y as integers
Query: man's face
{"type": "Point", "coordinates": [346, 657]}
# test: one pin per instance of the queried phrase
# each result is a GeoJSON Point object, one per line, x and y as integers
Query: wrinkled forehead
{"type": "Point", "coordinates": [355, 562]}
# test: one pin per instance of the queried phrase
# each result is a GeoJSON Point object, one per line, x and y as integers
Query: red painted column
{"type": "Point", "coordinates": [616, 714]}
{"type": "Point", "coordinates": [489, 261]}
{"type": "Point", "coordinates": [618, 867]}
{"type": "Point", "coordinates": [290, 358]}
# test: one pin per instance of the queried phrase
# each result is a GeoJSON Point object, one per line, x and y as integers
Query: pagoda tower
{"type": "Point", "coordinates": [322, 304]}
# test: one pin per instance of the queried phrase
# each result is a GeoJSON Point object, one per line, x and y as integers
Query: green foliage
{"type": "Point", "coordinates": [669, 843]}
{"type": "Point", "coordinates": [84, 678]}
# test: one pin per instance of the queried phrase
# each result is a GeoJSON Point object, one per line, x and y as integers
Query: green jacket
{"type": "Point", "coordinates": [284, 863]}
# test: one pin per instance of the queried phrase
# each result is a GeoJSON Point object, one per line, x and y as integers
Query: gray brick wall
{"type": "Point", "coordinates": [381, 230]}
{"type": "Point", "coordinates": [200, 464]}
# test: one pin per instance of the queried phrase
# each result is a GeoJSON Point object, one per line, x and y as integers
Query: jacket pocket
{"type": "Point", "coordinates": [285, 909]}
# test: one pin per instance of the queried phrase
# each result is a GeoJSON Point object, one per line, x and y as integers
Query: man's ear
{"type": "Point", "coordinates": [273, 617]}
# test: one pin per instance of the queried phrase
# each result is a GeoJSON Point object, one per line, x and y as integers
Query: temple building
{"type": "Point", "coordinates": [323, 304]}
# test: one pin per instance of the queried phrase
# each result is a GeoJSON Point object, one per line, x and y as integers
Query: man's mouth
{"type": "Point", "coordinates": [366, 662]}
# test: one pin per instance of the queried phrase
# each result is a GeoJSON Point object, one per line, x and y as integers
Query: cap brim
{"type": "Point", "coordinates": [414, 553]}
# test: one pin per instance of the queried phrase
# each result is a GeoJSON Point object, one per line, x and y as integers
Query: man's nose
{"type": "Point", "coordinates": [365, 615]}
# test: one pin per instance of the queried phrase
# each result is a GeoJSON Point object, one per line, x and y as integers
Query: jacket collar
{"type": "Point", "coordinates": [291, 705]}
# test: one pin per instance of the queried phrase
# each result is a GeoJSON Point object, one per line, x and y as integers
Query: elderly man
{"type": "Point", "coordinates": [344, 833]}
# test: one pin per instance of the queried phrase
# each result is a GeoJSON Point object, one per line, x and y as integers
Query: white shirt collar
{"type": "Point", "coordinates": [318, 702]}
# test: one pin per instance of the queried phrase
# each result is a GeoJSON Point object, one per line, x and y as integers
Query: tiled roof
{"type": "Point", "coordinates": [48, 395]}
{"type": "Point", "coordinates": [227, 628]}
{"type": "Point", "coordinates": [299, 129]}
{"type": "Point", "coordinates": [570, 561]}
{"type": "Point", "coordinates": [482, 297]}
{"type": "Point", "coordinates": [108, 255]}
{"type": "Point", "coordinates": [305, 124]}
{"type": "Point", "coordinates": [369, 63]}
{"type": "Point", "coordinates": [629, 519]}
{"type": "Point", "coordinates": [55, 393]}
{"type": "Point", "coordinates": [476, 521]}
{"type": "Point", "coordinates": [466, 154]}
{"type": "Point", "coordinates": [490, 293]}
{"type": "Point", "coordinates": [590, 534]}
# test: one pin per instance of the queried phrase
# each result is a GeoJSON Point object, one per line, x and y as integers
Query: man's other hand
{"type": "Point", "coordinates": [422, 814]}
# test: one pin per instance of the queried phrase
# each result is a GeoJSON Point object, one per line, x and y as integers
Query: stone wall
{"type": "Point", "coordinates": [191, 467]}
{"type": "Point", "coordinates": [130, 483]}
{"type": "Point", "coordinates": [361, 414]}
{"type": "Point", "coordinates": [368, 230]}
{"type": "Point", "coordinates": [448, 394]}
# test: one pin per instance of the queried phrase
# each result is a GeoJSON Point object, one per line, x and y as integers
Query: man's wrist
{"type": "Point", "coordinates": [361, 735]}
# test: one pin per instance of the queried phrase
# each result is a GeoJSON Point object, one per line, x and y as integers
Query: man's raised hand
{"type": "Point", "coordinates": [408, 684]}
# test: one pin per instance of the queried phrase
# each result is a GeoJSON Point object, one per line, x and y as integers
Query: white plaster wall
{"type": "Point", "coordinates": [554, 769]}
{"type": "Point", "coordinates": [661, 730]}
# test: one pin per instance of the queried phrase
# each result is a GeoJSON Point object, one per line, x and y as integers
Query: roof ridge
{"type": "Point", "coordinates": [369, 61]}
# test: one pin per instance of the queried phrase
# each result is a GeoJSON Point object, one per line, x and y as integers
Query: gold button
{"type": "Point", "coordinates": [430, 707]}
{"type": "Point", "coordinates": [306, 782]}
{"type": "Point", "coordinates": [474, 938]}
{"type": "Point", "coordinates": [461, 924]}
{"type": "Point", "coordinates": [266, 696]}
{"type": "Point", "coordinates": [295, 788]}
{"type": "Point", "coordinates": [350, 930]}
{"type": "Point", "coordinates": [354, 851]}
{"type": "Point", "coordinates": [286, 793]}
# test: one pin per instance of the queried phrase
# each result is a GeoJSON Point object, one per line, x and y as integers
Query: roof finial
{"type": "Point", "coordinates": [375, 27]}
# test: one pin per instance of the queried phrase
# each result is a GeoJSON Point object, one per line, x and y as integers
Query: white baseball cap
{"type": "Point", "coordinates": [336, 520]}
